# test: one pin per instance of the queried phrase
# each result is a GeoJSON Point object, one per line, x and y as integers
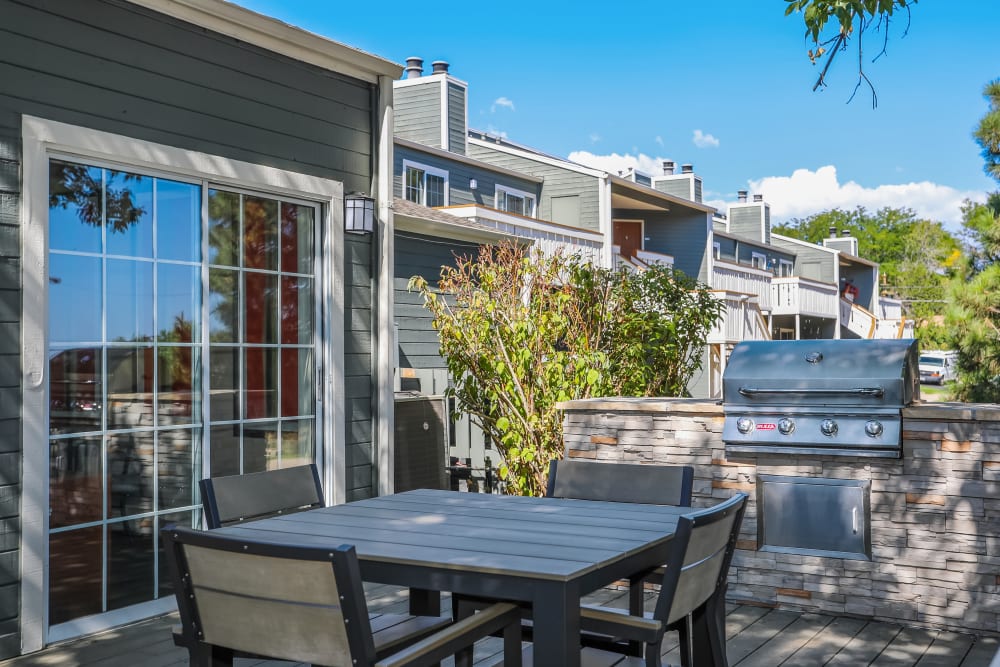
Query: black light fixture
{"type": "Point", "coordinates": [359, 213]}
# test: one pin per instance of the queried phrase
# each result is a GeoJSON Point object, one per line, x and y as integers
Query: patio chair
{"type": "Point", "coordinates": [693, 586]}
{"type": "Point", "coordinates": [237, 498]}
{"type": "Point", "coordinates": [621, 482]}
{"type": "Point", "coordinates": [304, 604]}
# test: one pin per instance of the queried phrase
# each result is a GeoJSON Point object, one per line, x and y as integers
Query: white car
{"type": "Point", "coordinates": [938, 367]}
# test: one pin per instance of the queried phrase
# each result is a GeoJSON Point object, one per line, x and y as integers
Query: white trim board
{"type": "Point", "coordinates": [41, 138]}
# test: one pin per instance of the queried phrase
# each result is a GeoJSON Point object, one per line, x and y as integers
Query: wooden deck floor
{"type": "Point", "coordinates": [758, 637]}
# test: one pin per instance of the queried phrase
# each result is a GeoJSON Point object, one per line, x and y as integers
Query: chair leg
{"type": "Point", "coordinates": [511, 646]}
{"type": "Point", "coordinates": [206, 655]}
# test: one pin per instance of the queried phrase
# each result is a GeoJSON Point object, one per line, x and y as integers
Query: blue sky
{"type": "Point", "coordinates": [724, 85]}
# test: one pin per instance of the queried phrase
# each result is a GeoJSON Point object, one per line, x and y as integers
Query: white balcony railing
{"type": "Point", "coordinates": [647, 257]}
{"type": "Point", "coordinates": [801, 296]}
{"type": "Point", "coordinates": [857, 320]}
{"type": "Point", "coordinates": [744, 280]}
{"type": "Point", "coordinates": [741, 319]}
{"type": "Point", "coordinates": [889, 309]}
{"type": "Point", "coordinates": [548, 236]}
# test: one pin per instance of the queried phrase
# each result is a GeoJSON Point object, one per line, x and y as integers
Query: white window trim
{"type": "Point", "coordinates": [427, 169]}
{"type": "Point", "coordinates": [758, 256]}
{"type": "Point", "coordinates": [517, 193]}
{"type": "Point", "coordinates": [782, 263]}
{"type": "Point", "coordinates": [716, 250]}
{"type": "Point", "coordinates": [42, 138]}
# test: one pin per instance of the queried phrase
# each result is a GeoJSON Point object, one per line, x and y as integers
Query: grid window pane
{"type": "Point", "coordinates": [224, 380]}
{"type": "Point", "coordinates": [178, 221]}
{"type": "Point", "coordinates": [178, 303]}
{"type": "Point", "coordinates": [130, 387]}
{"type": "Point", "coordinates": [224, 306]}
{"type": "Point", "coordinates": [76, 492]}
{"type": "Point", "coordinates": [297, 248]}
{"type": "Point", "coordinates": [298, 397]}
{"type": "Point", "coordinates": [297, 308]}
{"type": "Point", "coordinates": [128, 204]}
{"type": "Point", "coordinates": [179, 386]}
{"type": "Point", "coordinates": [260, 233]}
{"type": "Point", "coordinates": [225, 446]}
{"type": "Point", "coordinates": [129, 301]}
{"type": "Point", "coordinates": [76, 209]}
{"type": "Point", "coordinates": [130, 562]}
{"type": "Point", "coordinates": [178, 464]}
{"type": "Point", "coordinates": [415, 185]}
{"type": "Point", "coordinates": [435, 190]}
{"type": "Point", "coordinates": [261, 307]}
{"type": "Point", "coordinates": [298, 443]}
{"type": "Point", "coordinates": [130, 474]}
{"type": "Point", "coordinates": [260, 446]}
{"type": "Point", "coordinates": [76, 387]}
{"type": "Point", "coordinates": [223, 228]}
{"type": "Point", "coordinates": [75, 299]}
{"type": "Point", "coordinates": [260, 370]}
{"type": "Point", "coordinates": [75, 569]}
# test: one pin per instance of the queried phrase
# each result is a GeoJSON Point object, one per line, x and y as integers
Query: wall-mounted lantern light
{"type": "Point", "coordinates": [359, 213]}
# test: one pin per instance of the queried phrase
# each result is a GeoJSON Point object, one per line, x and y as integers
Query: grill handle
{"type": "Point", "coordinates": [877, 392]}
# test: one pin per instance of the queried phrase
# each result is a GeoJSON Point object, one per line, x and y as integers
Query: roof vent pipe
{"type": "Point", "coordinates": [845, 232]}
{"type": "Point", "coordinates": [758, 198]}
{"type": "Point", "coordinates": [687, 168]}
{"type": "Point", "coordinates": [741, 195]}
{"type": "Point", "coordinates": [440, 67]}
{"type": "Point", "coordinates": [833, 232]}
{"type": "Point", "coordinates": [414, 67]}
{"type": "Point", "coordinates": [668, 167]}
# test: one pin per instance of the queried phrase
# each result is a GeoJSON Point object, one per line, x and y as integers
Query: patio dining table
{"type": "Point", "coordinates": [547, 552]}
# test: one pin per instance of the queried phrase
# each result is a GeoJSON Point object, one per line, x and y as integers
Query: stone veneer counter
{"type": "Point", "coordinates": [934, 513]}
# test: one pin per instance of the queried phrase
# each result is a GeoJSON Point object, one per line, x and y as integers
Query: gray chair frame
{"type": "Point", "coordinates": [237, 498]}
{"type": "Point", "coordinates": [621, 482]}
{"type": "Point", "coordinates": [692, 592]}
{"type": "Point", "coordinates": [228, 608]}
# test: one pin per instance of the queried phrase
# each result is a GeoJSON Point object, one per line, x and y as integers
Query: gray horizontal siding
{"type": "Point", "coordinates": [359, 481]}
{"type": "Point", "coordinates": [457, 131]}
{"type": "Point", "coordinates": [559, 182]}
{"type": "Point", "coordinates": [10, 382]}
{"type": "Point", "coordinates": [747, 221]}
{"type": "Point", "coordinates": [677, 187]}
{"type": "Point", "coordinates": [417, 113]}
{"type": "Point", "coordinates": [423, 256]}
{"type": "Point", "coordinates": [459, 177]}
{"type": "Point", "coordinates": [682, 235]}
{"type": "Point", "coordinates": [813, 263]}
{"type": "Point", "coordinates": [113, 66]}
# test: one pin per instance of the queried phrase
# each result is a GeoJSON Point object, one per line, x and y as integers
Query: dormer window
{"type": "Point", "coordinates": [515, 201]}
{"type": "Point", "coordinates": [758, 260]}
{"type": "Point", "coordinates": [784, 268]}
{"type": "Point", "coordinates": [425, 185]}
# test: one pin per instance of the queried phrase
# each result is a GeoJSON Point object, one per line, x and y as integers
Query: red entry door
{"type": "Point", "coordinates": [628, 237]}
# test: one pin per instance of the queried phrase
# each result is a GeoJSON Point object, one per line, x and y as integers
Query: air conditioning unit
{"type": "Point", "coordinates": [421, 440]}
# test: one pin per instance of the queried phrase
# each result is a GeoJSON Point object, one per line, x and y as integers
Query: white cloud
{"type": "Point", "coordinates": [659, 140]}
{"type": "Point", "coordinates": [614, 163]}
{"type": "Point", "coordinates": [504, 102]}
{"type": "Point", "coordinates": [807, 192]}
{"type": "Point", "coordinates": [594, 137]}
{"type": "Point", "coordinates": [702, 140]}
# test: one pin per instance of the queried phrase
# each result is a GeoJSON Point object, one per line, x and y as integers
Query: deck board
{"type": "Point", "coordinates": [758, 637]}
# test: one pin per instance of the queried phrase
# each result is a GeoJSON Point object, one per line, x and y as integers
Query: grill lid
{"type": "Point", "coordinates": [857, 372]}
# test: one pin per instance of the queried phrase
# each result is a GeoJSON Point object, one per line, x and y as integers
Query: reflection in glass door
{"type": "Point", "coordinates": [163, 321]}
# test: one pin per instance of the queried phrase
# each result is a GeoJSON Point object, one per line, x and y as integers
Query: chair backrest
{"type": "Point", "coordinates": [287, 603]}
{"type": "Point", "coordinates": [701, 551]}
{"type": "Point", "coordinates": [237, 498]}
{"type": "Point", "coordinates": [621, 482]}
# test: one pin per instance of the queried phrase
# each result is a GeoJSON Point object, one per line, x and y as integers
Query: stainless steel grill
{"type": "Point", "coordinates": [824, 397]}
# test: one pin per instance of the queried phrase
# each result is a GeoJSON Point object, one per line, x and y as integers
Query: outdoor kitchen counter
{"type": "Point", "coordinates": [933, 515]}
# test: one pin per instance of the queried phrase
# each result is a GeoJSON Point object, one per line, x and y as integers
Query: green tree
{"type": "Point", "coordinates": [850, 19]}
{"type": "Point", "coordinates": [916, 256]}
{"type": "Point", "coordinates": [520, 332]}
{"type": "Point", "coordinates": [988, 132]}
{"type": "Point", "coordinates": [973, 317]}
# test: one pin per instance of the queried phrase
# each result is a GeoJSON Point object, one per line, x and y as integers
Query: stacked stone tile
{"type": "Point", "coordinates": [935, 512]}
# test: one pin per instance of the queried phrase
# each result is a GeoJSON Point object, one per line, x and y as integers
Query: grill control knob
{"type": "Point", "coordinates": [874, 428]}
{"type": "Point", "coordinates": [828, 428]}
{"type": "Point", "coordinates": [744, 424]}
{"type": "Point", "coordinates": [786, 426]}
